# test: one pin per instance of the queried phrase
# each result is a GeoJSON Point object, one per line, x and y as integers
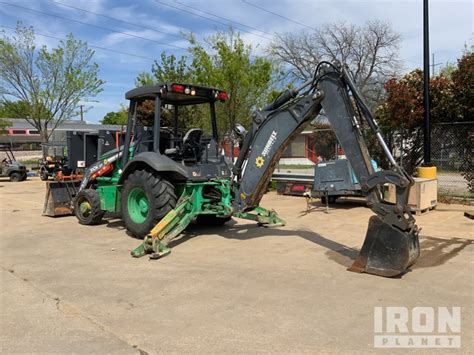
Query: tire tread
{"type": "Point", "coordinates": [163, 200]}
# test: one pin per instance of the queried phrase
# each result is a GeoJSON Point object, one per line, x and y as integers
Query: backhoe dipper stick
{"type": "Point", "coordinates": [391, 244]}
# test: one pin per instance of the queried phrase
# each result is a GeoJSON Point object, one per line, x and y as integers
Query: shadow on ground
{"type": "Point", "coordinates": [338, 252]}
{"type": "Point", "coordinates": [316, 206]}
{"type": "Point", "coordinates": [433, 251]}
{"type": "Point", "coordinates": [437, 251]}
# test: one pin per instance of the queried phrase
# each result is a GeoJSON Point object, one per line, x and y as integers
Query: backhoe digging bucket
{"type": "Point", "coordinates": [387, 251]}
{"type": "Point", "coordinates": [59, 197]}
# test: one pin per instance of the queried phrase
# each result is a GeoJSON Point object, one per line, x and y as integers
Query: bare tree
{"type": "Point", "coordinates": [370, 51]}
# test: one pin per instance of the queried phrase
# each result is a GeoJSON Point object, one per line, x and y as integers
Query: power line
{"type": "Point", "coordinates": [276, 14]}
{"type": "Point", "coordinates": [225, 19]}
{"type": "Point", "coordinates": [91, 25]}
{"type": "Point", "coordinates": [117, 19]}
{"type": "Point", "coordinates": [433, 64]}
{"type": "Point", "coordinates": [90, 45]}
{"type": "Point", "coordinates": [204, 17]}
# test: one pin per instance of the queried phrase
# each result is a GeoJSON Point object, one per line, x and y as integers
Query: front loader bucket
{"type": "Point", "coordinates": [387, 251]}
{"type": "Point", "coordinates": [59, 197]}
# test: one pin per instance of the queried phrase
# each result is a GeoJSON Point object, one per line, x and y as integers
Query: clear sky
{"type": "Point", "coordinates": [150, 26]}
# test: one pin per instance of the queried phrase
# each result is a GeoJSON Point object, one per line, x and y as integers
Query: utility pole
{"type": "Point", "coordinates": [82, 113]}
{"type": "Point", "coordinates": [426, 170]}
{"type": "Point", "coordinates": [426, 87]}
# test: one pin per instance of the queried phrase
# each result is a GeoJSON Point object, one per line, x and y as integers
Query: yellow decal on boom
{"type": "Point", "coordinates": [259, 161]}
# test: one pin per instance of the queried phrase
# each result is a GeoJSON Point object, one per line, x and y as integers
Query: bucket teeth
{"type": "Point", "coordinates": [387, 251]}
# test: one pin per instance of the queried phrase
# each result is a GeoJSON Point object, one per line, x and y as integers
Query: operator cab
{"type": "Point", "coordinates": [159, 122]}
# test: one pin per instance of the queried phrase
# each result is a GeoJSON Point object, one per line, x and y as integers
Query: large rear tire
{"type": "Point", "coordinates": [146, 199]}
{"type": "Point", "coordinates": [87, 207]}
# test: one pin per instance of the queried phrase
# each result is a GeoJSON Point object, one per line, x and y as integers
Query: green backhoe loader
{"type": "Point", "coordinates": [162, 177]}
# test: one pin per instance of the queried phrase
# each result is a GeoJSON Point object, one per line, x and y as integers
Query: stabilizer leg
{"type": "Point", "coordinates": [176, 221]}
{"type": "Point", "coordinates": [264, 217]}
{"type": "Point", "coordinates": [191, 204]}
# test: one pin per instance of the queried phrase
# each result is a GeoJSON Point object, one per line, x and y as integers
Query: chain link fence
{"type": "Point", "coordinates": [452, 151]}
{"type": "Point", "coordinates": [452, 154]}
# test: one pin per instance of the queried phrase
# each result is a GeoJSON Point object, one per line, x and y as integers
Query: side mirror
{"type": "Point", "coordinates": [239, 132]}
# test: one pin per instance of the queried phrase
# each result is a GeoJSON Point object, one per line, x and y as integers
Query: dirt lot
{"type": "Point", "coordinates": [72, 288]}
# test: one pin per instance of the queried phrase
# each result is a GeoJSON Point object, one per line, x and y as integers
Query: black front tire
{"type": "Point", "coordinates": [44, 175]}
{"type": "Point", "coordinates": [161, 199]}
{"type": "Point", "coordinates": [16, 177]}
{"type": "Point", "coordinates": [93, 215]}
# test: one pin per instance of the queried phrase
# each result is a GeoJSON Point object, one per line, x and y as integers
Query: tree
{"type": "Point", "coordinates": [463, 87]}
{"type": "Point", "coordinates": [14, 109]}
{"type": "Point", "coordinates": [3, 124]}
{"type": "Point", "coordinates": [52, 82]}
{"type": "Point", "coordinates": [324, 141]}
{"type": "Point", "coordinates": [11, 109]}
{"type": "Point", "coordinates": [144, 78]}
{"type": "Point", "coordinates": [118, 117]}
{"type": "Point", "coordinates": [168, 69]}
{"type": "Point", "coordinates": [401, 114]}
{"type": "Point", "coordinates": [224, 61]}
{"type": "Point", "coordinates": [403, 106]}
{"type": "Point", "coordinates": [370, 52]}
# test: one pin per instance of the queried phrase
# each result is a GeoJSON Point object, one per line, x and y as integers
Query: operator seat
{"type": "Point", "coordinates": [192, 145]}
{"type": "Point", "coordinates": [190, 151]}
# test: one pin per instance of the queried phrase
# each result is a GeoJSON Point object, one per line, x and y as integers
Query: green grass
{"type": "Point", "coordinates": [463, 199]}
{"type": "Point", "coordinates": [272, 186]}
{"type": "Point", "coordinates": [29, 161]}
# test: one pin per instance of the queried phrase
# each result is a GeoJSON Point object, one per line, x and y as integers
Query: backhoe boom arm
{"type": "Point", "coordinates": [391, 244]}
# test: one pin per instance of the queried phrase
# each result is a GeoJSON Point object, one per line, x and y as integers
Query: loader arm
{"type": "Point", "coordinates": [391, 243]}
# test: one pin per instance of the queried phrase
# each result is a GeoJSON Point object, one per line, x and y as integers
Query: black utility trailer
{"type": "Point", "coordinates": [333, 179]}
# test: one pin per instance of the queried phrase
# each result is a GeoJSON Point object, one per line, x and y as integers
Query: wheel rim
{"type": "Point", "coordinates": [138, 205]}
{"type": "Point", "coordinates": [85, 208]}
